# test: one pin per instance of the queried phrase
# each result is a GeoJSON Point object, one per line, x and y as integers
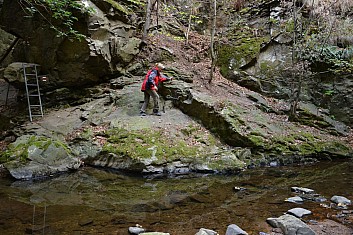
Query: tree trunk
{"type": "Point", "coordinates": [157, 13]}
{"type": "Point", "coordinates": [212, 47]}
{"type": "Point", "coordinates": [295, 99]}
{"type": "Point", "coordinates": [147, 20]}
{"type": "Point", "coordinates": [295, 87]}
{"type": "Point", "coordinates": [189, 26]}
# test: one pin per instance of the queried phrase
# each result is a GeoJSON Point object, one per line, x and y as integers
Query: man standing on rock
{"type": "Point", "coordinates": [150, 88]}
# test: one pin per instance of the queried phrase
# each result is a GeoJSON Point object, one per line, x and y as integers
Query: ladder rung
{"type": "Point", "coordinates": [33, 95]}
{"type": "Point", "coordinates": [31, 74]}
{"type": "Point", "coordinates": [37, 115]}
{"type": "Point", "coordinates": [30, 65]}
{"type": "Point", "coordinates": [32, 84]}
{"type": "Point", "coordinates": [35, 105]}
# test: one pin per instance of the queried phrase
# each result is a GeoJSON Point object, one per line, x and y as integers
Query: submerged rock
{"type": "Point", "coordinates": [235, 230]}
{"type": "Point", "coordinates": [299, 212]}
{"type": "Point", "coordinates": [290, 225]}
{"type": "Point", "coordinates": [204, 231]}
{"type": "Point", "coordinates": [295, 199]}
{"type": "Point", "coordinates": [303, 190]}
{"type": "Point", "coordinates": [136, 230]}
{"type": "Point", "coordinates": [154, 233]}
{"type": "Point", "coordinates": [85, 222]}
{"type": "Point", "coordinates": [341, 200]}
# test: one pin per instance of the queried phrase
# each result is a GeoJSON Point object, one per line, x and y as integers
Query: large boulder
{"type": "Point", "coordinates": [31, 157]}
{"type": "Point", "coordinates": [13, 74]}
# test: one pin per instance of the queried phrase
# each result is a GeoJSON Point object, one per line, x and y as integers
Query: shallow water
{"type": "Point", "coordinates": [94, 201]}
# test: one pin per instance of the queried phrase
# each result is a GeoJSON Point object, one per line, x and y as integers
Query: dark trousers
{"type": "Point", "coordinates": [155, 97]}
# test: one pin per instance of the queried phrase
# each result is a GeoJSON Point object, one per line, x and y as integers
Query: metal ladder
{"type": "Point", "coordinates": [30, 73]}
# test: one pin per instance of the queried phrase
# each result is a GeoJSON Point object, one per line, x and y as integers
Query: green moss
{"type": "Point", "coordinates": [305, 144]}
{"type": "Point", "coordinates": [305, 136]}
{"type": "Point", "coordinates": [118, 6]}
{"type": "Point", "coordinates": [226, 164]}
{"type": "Point", "coordinates": [233, 56]}
{"type": "Point", "coordinates": [289, 26]}
{"type": "Point", "coordinates": [290, 144]}
{"type": "Point", "coordinates": [139, 144]}
{"type": "Point", "coordinates": [257, 139]}
{"type": "Point", "coordinates": [269, 69]}
{"type": "Point", "coordinates": [87, 133]}
{"type": "Point", "coordinates": [337, 148]}
{"type": "Point", "coordinates": [199, 134]}
{"type": "Point", "coordinates": [19, 150]}
{"type": "Point", "coordinates": [190, 130]}
{"type": "Point", "coordinates": [244, 10]}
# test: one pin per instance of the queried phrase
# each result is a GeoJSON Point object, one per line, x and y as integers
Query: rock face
{"type": "Point", "coordinates": [334, 94]}
{"type": "Point", "coordinates": [14, 75]}
{"type": "Point", "coordinates": [260, 60]}
{"type": "Point", "coordinates": [5, 41]}
{"type": "Point", "coordinates": [331, 92]}
{"type": "Point", "coordinates": [108, 48]}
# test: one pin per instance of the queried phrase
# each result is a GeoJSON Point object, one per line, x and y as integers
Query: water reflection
{"type": "Point", "coordinates": [92, 201]}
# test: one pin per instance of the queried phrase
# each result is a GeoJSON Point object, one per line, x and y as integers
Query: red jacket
{"type": "Point", "coordinates": [152, 79]}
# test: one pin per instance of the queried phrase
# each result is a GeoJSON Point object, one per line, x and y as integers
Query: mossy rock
{"type": "Point", "coordinates": [151, 151]}
{"type": "Point", "coordinates": [21, 148]}
{"type": "Point", "coordinates": [240, 53]}
{"type": "Point", "coordinates": [145, 143]}
{"type": "Point", "coordinates": [38, 156]}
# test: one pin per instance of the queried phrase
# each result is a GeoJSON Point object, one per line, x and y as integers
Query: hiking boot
{"type": "Point", "coordinates": [142, 114]}
{"type": "Point", "coordinates": [157, 113]}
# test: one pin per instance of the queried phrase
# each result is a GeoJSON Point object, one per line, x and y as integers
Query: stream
{"type": "Point", "coordinates": [97, 201]}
